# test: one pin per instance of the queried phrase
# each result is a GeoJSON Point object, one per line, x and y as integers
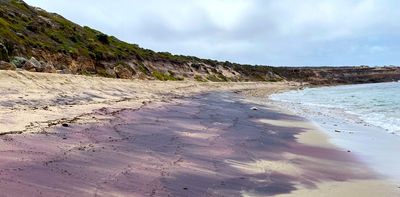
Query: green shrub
{"type": "Point", "coordinates": [199, 78]}
{"type": "Point", "coordinates": [196, 66]}
{"type": "Point", "coordinates": [213, 78]}
{"type": "Point", "coordinates": [103, 38]}
{"type": "Point", "coordinates": [144, 69]}
{"type": "Point", "coordinates": [217, 78]}
{"type": "Point", "coordinates": [18, 61]}
{"type": "Point", "coordinates": [163, 76]}
{"type": "Point", "coordinates": [222, 77]}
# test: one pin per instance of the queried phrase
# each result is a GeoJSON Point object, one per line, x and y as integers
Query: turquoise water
{"type": "Point", "coordinates": [368, 104]}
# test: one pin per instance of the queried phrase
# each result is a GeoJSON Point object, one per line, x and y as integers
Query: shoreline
{"type": "Point", "coordinates": [372, 144]}
{"type": "Point", "coordinates": [323, 137]}
{"type": "Point", "coordinates": [170, 139]}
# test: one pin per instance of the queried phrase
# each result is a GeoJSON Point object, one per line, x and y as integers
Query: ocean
{"type": "Point", "coordinates": [361, 119]}
{"type": "Point", "coordinates": [372, 104]}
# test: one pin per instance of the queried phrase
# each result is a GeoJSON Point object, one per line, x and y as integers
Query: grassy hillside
{"type": "Point", "coordinates": [23, 27]}
{"type": "Point", "coordinates": [26, 31]}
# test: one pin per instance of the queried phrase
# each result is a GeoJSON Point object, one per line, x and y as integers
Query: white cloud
{"type": "Point", "coordinates": [278, 32]}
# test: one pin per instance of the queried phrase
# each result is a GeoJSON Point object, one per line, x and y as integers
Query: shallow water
{"type": "Point", "coordinates": [373, 104]}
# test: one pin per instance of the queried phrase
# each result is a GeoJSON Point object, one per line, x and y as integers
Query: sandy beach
{"type": "Point", "coordinates": [65, 135]}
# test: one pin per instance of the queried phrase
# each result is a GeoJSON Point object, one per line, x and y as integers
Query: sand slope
{"type": "Point", "coordinates": [30, 102]}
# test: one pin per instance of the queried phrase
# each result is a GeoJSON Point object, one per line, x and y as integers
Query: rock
{"type": "Point", "coordinates": [3, 53]}
{"type": "Point", "coordinates": [65, 125]}
{"type": "Point", "coordinates": [35, 62]}
{"type": "Point", "coordinates": [32, 65]}
{"type": "Point", "coordinates": [20, 35]}
{"type": "Point", "coordinates": [47, 68]}
{"type": "Point", "coordinates": [7, 66]}
{"type": "Point", "coordinates": [41, 68]}
{"type": "Point", "coordinates": [337, 131]}
{"type": "Point", "coordinates": [123, 72]}
{"type": "Point", "coordinates": [254, 108]}
{"type": "Point", "coordinates": [18, 61]}
{"type": "Point", "coordinates": [28, 66]}
{"type": "Point", "coordinates": [65, 71]}
{"type": "Point", "coordinates": [110, 72]}
{"type": "Point", "coordinates": [60, 66]}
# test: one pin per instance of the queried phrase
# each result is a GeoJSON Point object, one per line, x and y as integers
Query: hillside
{"type": "Point", "coordinates": [35, 40]}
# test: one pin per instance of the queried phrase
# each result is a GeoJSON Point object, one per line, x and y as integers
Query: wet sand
{"type": "Point", "coordinates": [198, 144]}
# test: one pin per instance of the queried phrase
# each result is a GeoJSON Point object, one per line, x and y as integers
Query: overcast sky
{"type": "Point", "coordinates": [267, 32]}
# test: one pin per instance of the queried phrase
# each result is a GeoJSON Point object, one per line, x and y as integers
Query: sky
{"type": "Point", "coordinates": [261, 32]}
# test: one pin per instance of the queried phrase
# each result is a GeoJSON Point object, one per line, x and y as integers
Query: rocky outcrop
{"type": "Point", "coordinates": [7, 66]}
{"type": "Point", "coordinates": [123, 72]}
{"type": "Point", "coordinates": [32, 65]}
{"type": "Point", "coordinates": [48, 68]}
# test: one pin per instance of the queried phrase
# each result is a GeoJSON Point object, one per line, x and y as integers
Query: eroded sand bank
{"type": "Point", "coordinates": [30, 102]}
{"type": "Point", "coordinates": [188, 141]}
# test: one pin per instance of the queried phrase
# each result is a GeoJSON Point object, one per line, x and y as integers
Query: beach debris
{"type": "Point", "coordinates": [349, 151]}
{"type": "Point", "coordinates": [337, 131]}
{"type": "Point", "coordinates": [185, 188]}
{"type": "Point", "coordinates": [254, 108]}
{"type": "Point", "coordinates": [65, 125]}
